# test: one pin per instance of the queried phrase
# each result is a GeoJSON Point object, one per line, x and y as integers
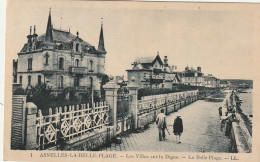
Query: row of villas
{"type": "Point", "coordinates": [60, 59]}
{"type": "Point", "coordinates": [152, 72]}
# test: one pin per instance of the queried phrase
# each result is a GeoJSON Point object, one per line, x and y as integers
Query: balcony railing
{"type": "Point", "coordinates": [78, 70]}
{"type": "Point", "coordinates": [81, 87]}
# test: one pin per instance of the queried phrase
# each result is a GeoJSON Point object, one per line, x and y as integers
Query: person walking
{"type": "Point", "coordinates": [161, 124]}
{"type": "Point", "coordinates": [178, 128]}
{"type": "Point", "coordinates": [220, 111]}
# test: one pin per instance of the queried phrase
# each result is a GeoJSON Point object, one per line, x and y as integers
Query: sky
{"type": "Point", "coordinates": [220, 41]}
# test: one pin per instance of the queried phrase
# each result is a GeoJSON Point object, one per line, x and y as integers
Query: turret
{"type": "Point", "coordinates": [48, 35]}
{"type": "Point", "coordinates": [101, 44]}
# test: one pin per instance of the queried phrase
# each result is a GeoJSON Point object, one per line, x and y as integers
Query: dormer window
{"type": "Point", "coordinates": [77, 47]}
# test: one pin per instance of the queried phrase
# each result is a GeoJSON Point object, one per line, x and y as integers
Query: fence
{"type": "Point", "coordinates": [149, 103]}
{"type": "Point", "coordinates": [83, 127]}
{"type": "Point", "coordinates": [150, 106]}
{"type": "Point", "coordinates": [70, 122]}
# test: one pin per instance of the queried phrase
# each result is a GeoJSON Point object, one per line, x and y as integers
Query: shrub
{"type": "Point", "coordinates": [40, 95]}
{"type": "Point", "coordinates": [19, 91]}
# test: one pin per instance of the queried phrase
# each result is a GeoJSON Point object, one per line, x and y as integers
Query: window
{"type": "Point", "coordinates": [60, 81]}
{"type": "Point", "coordinates": [46, 59]}
{"type": "Point", "coordinates": [76, 81]}
{"type": "Point", "coordinates": [144, 75]}
{"type": "Point", "coordinates": [77, 47]}
{"type": "Point", "coordinates": [91, 66]}
{"type": "Point", "coordinates": [91, 82]}
{"type": "Point", "coordinates": [21, 79]}
{"type": "Point", "coordinates": [29, 79]}
{"type": "Point", "coordinates": [77, 62]}
{"type": "Point", "coordinates": [39, 79]}
{"type": "Point", "coordinates": [61, 63]}
{"type": "Point", "coordinates": [30, 63]}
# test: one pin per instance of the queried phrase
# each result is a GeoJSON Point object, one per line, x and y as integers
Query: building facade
{"type": "Point", "coordinates": [211, 81]}
{"type": "Point", "coordinates": [193, 77]}
{"type": "Point", "coordinates": [152, 72]}
{"type": "Point", "coordinates": [60, 59]}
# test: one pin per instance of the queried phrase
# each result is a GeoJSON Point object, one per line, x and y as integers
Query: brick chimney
{"type": "Point", "coordinates": [165, 60]}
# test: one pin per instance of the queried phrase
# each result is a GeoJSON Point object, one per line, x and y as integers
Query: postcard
{"type": "Point", "coordinates": [131, 81]}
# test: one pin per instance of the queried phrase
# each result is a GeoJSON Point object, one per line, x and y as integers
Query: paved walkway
{"type": "Point", "coordinates": [201, 133]}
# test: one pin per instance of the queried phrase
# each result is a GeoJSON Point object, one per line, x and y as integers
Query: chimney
{"type": "Point", "coordinates": [165, 60]}
{"type": "Point", "coordinates": [29, 37]}
{"type": "Point", "coordinates": [29, 42]}
{"type": "Point", "coordinates": [199, 68]}
{"type": "Point", "coordinates": [34, 34]}
{"type": "Point", "coordinates": [187, 68]}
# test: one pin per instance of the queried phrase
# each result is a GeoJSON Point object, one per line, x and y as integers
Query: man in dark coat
{"type": "Point", "coordinates": [178, 128]}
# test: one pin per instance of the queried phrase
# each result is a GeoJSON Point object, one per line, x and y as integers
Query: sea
{"type": "Point", "coordinates": [247, 101]}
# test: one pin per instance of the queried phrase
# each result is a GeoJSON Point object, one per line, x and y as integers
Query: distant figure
{"type": "Point", "coordinates": [220, 111]}
{"type": "Point", "coordinates": [161, 123]}
{"type": "Point", "coordinates": [232, 118]}
{"type": "Point", "coordinates": [178, 128]}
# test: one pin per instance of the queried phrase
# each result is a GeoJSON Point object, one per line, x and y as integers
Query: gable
{"type": "Point", "coordinates": [158, 58]}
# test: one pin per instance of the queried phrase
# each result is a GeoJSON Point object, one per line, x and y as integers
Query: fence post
{"type": "Point", "coordinates": [111, 99]}
{"type": "Point", "coordinates": [133, 87]}
{"type": "Point", "coordinates": [31, 133]}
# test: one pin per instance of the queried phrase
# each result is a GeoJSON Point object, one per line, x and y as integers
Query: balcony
{"type": "Point", "coordinates": [78, 70]}
{"type": "Point", "coordinates": [81, 87]}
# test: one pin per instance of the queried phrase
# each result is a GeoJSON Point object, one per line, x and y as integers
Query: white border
{"type": "Point", "coordinates": [2, 53]}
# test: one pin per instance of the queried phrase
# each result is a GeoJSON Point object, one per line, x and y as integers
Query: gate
{"type": "Point", "coordinates": [124, 120]}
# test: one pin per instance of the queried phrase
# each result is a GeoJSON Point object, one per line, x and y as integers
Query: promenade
{"type": "Point", "coordinates": [201, 133]}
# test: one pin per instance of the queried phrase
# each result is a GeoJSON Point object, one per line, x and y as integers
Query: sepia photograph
{"type": "Point", "coordinates": [130, 80]}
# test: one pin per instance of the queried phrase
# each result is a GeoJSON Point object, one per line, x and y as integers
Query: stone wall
{"type": "Point", "coordinates": [238, 142]}
{"type": "Point", "coordinates": [240, 138]}
{"type": "Point", "coordinates": [90, 141]}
